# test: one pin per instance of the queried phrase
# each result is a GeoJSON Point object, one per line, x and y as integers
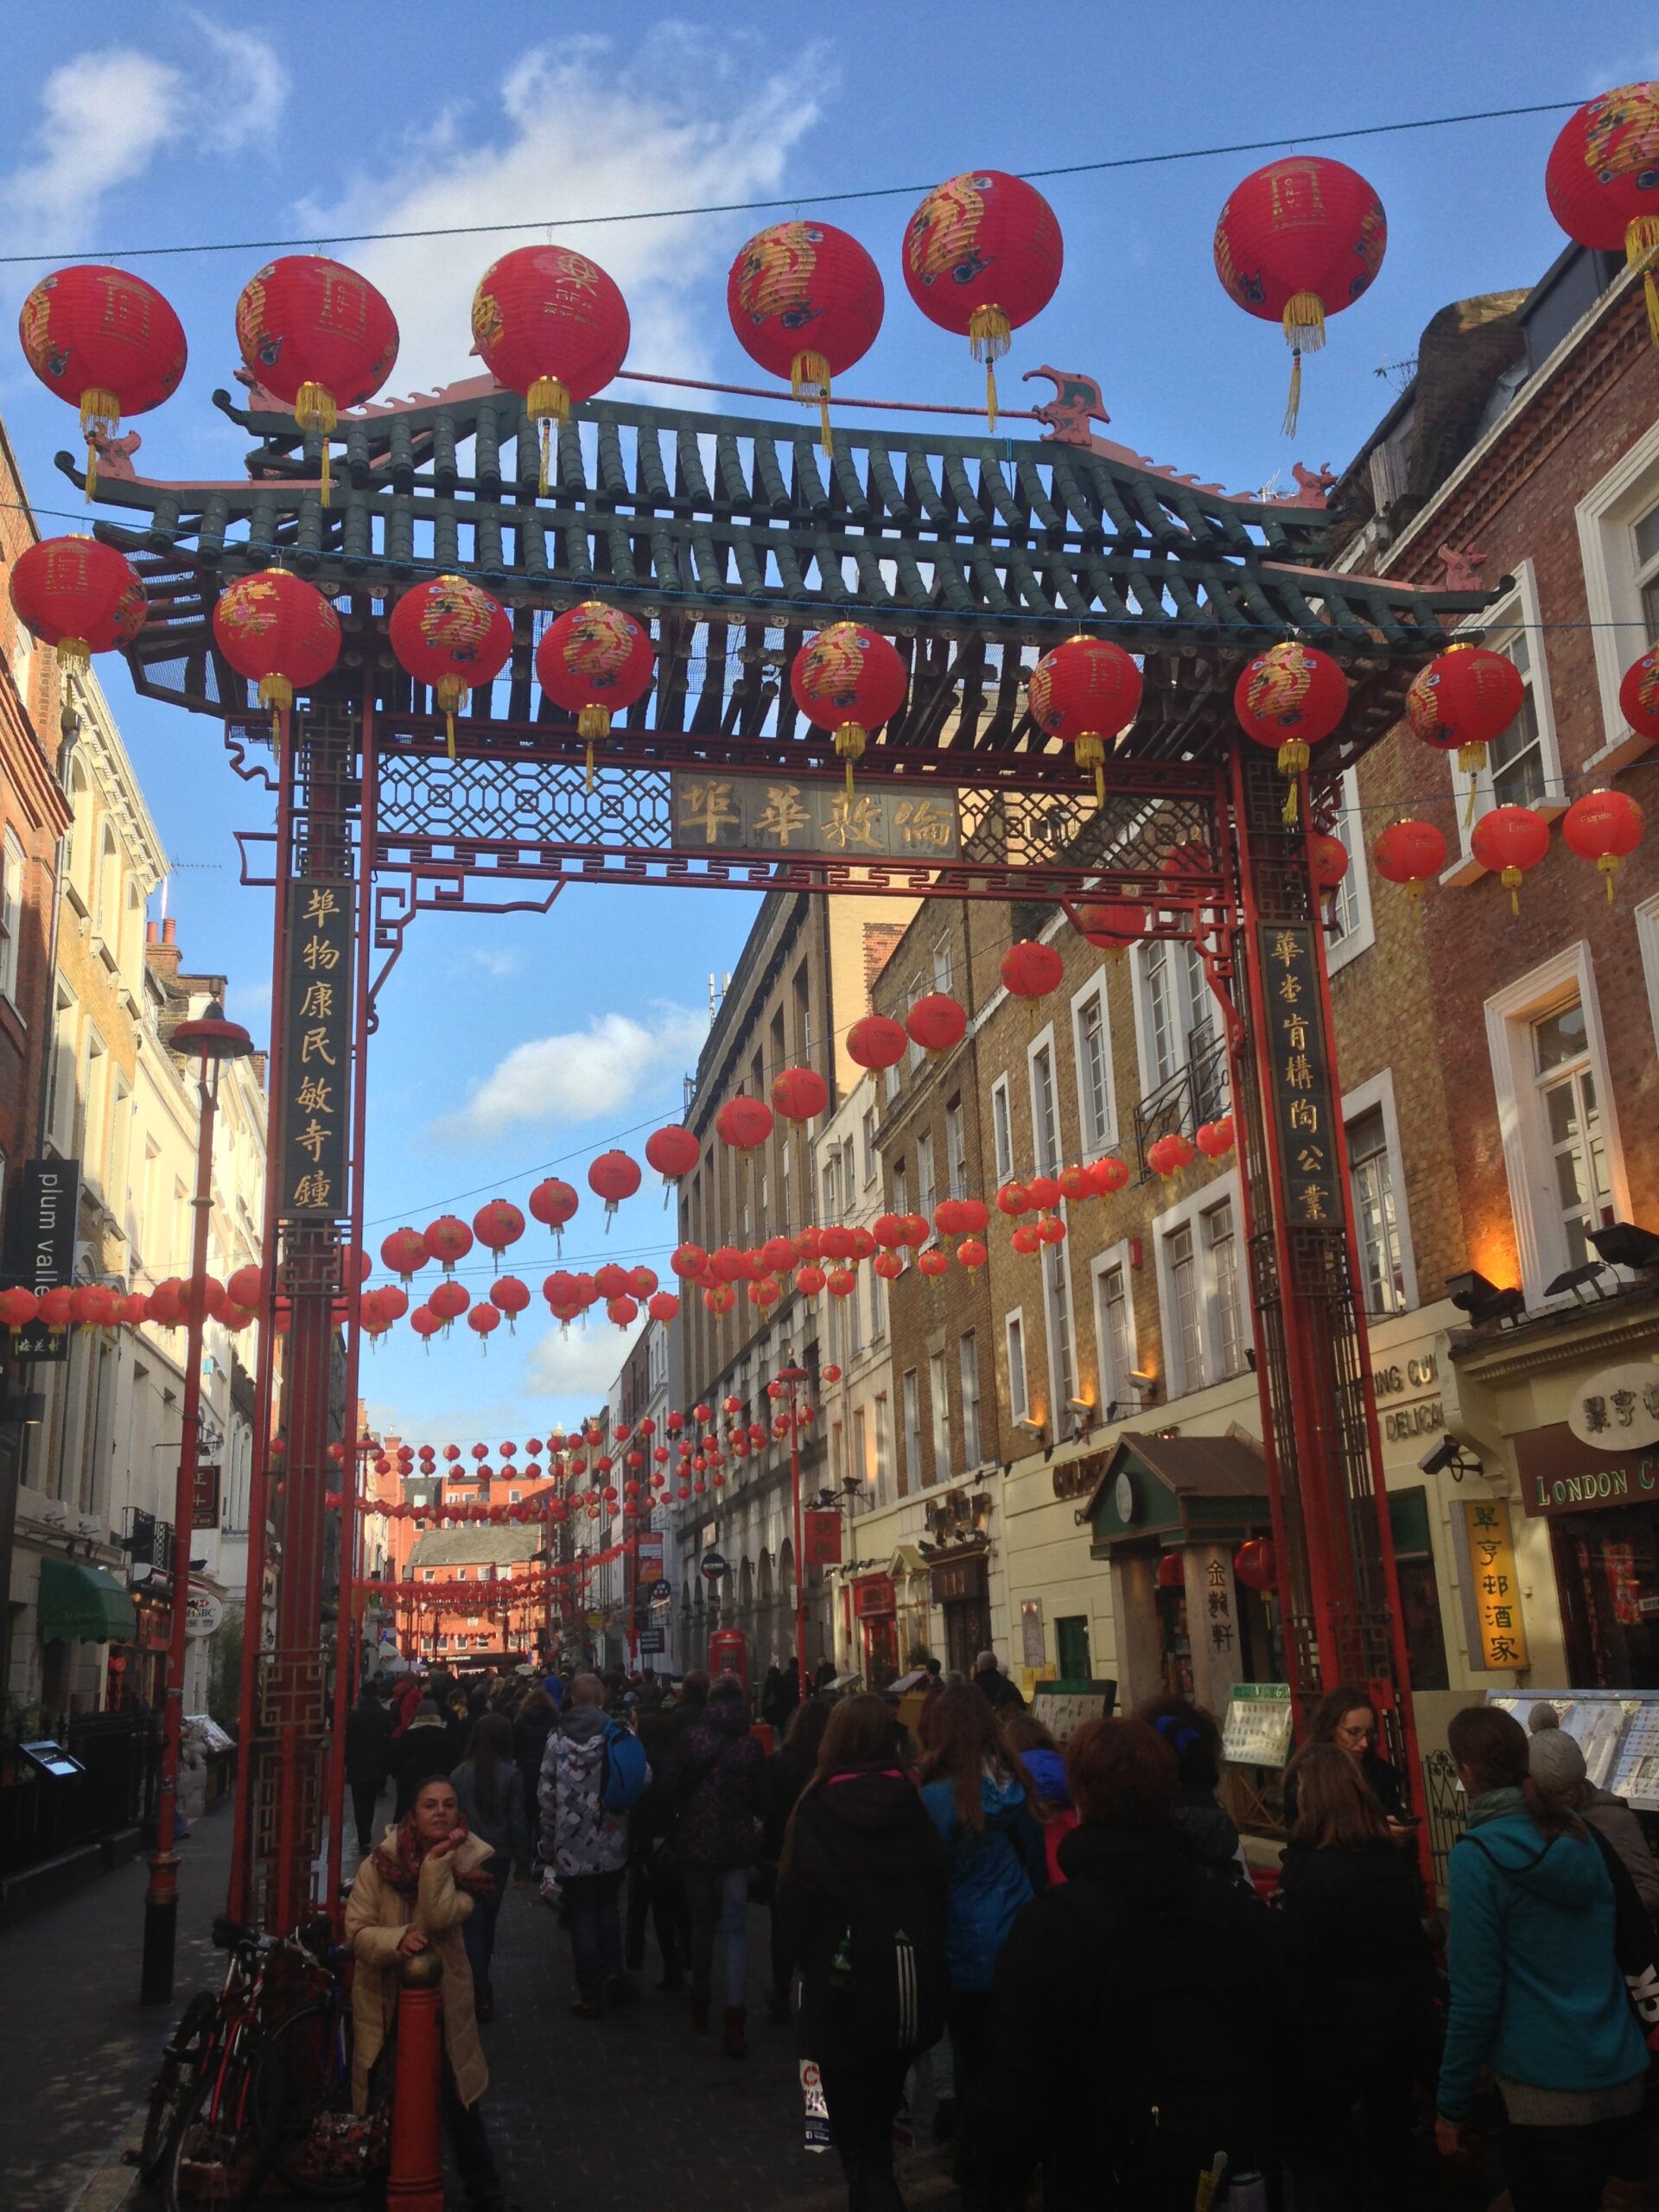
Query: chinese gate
{"type": "Point", "coordinates": [737, 538]}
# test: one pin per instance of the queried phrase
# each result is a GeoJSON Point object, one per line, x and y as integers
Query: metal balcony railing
{"type": "Point", "coordinates": [1196, 1093]}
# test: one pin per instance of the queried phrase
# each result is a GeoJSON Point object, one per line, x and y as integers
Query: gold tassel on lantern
{"type": "Point", "coordinates": [592, 723]}
{"type": "Point", "coordinates": [276, 693]}
{"type": "Point", "coordinates": [547, 402]}
{"type": "Point", "coordinates": [100, 417]}
{"type": "Point", "coordinates": [850, 740]}
{"type": "Point", "coordinates": [1304, 322]}
{"type": "Point", "coordinates": [1609, 866]}
{"type": "Point", "coordinates": [1091, 753]}
{"type": "Point", "coordinates": [809, 378]}
{"type": "Point", "coordinates": [1472, 758]}
{"type": "Point", "coordinates": [989, 335]}
{"type": "Point", "coordinates": [1293, 757]}
{"type": "Point", "coordinates": [315, 410]}
{"type": "Point", "coordinates": [1642, 251]}
{"type": "Point", "coordinates": [451, 692]}
{"type": "Point", "coordinates": [1511, 879]}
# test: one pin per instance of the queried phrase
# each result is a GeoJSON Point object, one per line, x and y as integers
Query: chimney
{"type": "Point", "coordinates": [152, 932]}
{"type": "Point", "coordinates": [162, 954]}
{"type": "Point", "coordinates": [170, 931]}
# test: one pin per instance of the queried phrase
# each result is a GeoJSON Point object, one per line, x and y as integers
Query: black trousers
{"type": "Point", "coordinates": [664, 1899]}
{"type": "Point", "coordinates": [862, 2100]}
{"type": "Point", "coordinates": [366, 1796]}
{"type": "Point", "coordinates": [968, 2014]}
{"type": "Point", "coordinates": [1562, 2168]}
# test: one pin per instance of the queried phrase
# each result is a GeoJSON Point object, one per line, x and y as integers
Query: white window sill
{"type": "Point", "coordinates": [1629, 745]}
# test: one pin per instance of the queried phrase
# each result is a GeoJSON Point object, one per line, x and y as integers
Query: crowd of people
{"type": "Point", "coordinates": [1063, 1960]}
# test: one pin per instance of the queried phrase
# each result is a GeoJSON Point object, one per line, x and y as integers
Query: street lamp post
{"type": "Point", "coordinates": [215, 1041]}
{"type": "Point", "coordinates": [791, 1378]}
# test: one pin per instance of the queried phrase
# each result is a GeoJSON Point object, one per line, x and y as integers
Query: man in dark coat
{"type": "Point", "coordinates": [368, 1743]}
{"type": "Point", "coordinates": [994, 1685]}
{"type": "Point", "coordinates": [424, 1751]}
{"type": "Point", "coordinates": [714, 1790]}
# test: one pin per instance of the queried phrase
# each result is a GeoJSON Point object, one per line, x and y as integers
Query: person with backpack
{"type": "Point", "coordinates": [789, 1770]}
{"type": "Point", "coordinates": [714, 1799]}
{"type": "Point", "coordinates": [863, 1897]}
{"type": "Point", "coordinates": [1026, 1735]}
{"type": "Point", "coordinates": [1537, 1996]}
{"type": "Point", "coordinates": [492, 1800]}
{"type": "Point", "coordinates": [593, 1770]}
{"type": "Point", "coordinates": [981, 1801]}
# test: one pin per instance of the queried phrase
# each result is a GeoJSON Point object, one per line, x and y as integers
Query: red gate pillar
{"type": "Point", "coordinates": [1339, 1592]}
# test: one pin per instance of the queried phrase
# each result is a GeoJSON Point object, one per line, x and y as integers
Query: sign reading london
{"type": "Point", "coordinates": [1303, 1106]}
{"type": "Point", "coordinates": [311, 1155]}
{"type": "Point", "coordinates": [769, 814]}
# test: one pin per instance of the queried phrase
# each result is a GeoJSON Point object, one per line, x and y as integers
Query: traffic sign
{"type": "Point", "coordinates": [653, 1639]}
{"type": "Point", "coordinates": [713, 1565]}
{"type": "Point", "coordinates": [661, 1592]}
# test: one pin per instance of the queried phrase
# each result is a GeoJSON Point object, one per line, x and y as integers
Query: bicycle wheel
{"type": "Point", "coordinates": [214, 2151]}
{"type": "Point", "coordinates": [181, 2058]}
{"type": "Point", "coordinates": [302, 2096]}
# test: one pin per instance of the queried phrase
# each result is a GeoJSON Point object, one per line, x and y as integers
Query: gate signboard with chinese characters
{"type": "Point", "coordinates": [315, 1119]}
{"type": "Point", "coordinates": [774, 814]}
{"type": "Point", "coordinates": [1303, 1106]}
{"type": "Point", "coordinates": [1617, 1410]}
{"type": "Point", "coordinates": [1499, 1627]}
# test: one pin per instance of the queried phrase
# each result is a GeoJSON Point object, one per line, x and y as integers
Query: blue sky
{"type": "Point", "coordinates": [509, 1044]}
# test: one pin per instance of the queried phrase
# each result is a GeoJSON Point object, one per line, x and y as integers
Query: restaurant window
{"type": "Point", "coordinates": [1181, 1260]}
{"type": "Point", "coordinates": [1348, 911]}
{"type": "Point", "coordinates": [1220, 1237]}
{"type": "Point", "coordinates": [1420, 1595]}
{"type": "Point", "coordinates": [1377, 1217]}
{"type": "Point", "coordinates": [1199, 1289]}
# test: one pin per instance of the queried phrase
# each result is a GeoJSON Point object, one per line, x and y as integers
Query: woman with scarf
{"type": "Point", "coordinates": [415, 1893]}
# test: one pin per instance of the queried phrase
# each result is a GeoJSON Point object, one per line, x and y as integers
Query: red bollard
{"type": "Point", "coordinates": [416, 2183]}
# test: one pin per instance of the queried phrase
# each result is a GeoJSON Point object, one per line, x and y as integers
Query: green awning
{"type": "Point", "coordinates": [84, 1605]}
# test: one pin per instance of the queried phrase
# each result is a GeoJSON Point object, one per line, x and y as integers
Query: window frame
{"type": "Point", "coordinates": [1188, 1212]}
{"type": "Point", "coordinates": [1094, 992]}
{"type": "Point", "coordinates": [1117, 1259]}
{"type": "Point", "coordinates": [1606, 518]}
{"type": "Point", "coordinates": [1014, 1330]}
{"type": "Point", "coordinates": [1349, 827]}
{"type": "Point", "coordinates": [938, 1394]}
{"type": "Point", "coordinates": [1376, 1096]}
{"type": "Point", "coordinates": [1516, 613]}
{"type": "Point", "coordinates": [1001, 1131]}
{"type": "Point", "coordinates": [973, 1428]}
{"type": "Point", "coordinates": [13, 867]}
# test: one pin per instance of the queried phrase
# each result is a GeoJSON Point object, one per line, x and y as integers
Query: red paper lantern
{"type": "Point", "coordinates": [662, 1305]}
{"type": "Point", "coordinates": [1030, 970]}
{"type": "Point", "coordinates": [1289, 698]}
{"type": "Point", "coordinates": [1639, 694]}
{"type": "Point", "coordinates": [1167, 1155]}
{"type": "Point", "coordinates": [451, 636]}
{"type": "Point", "coordinates": [888, 1265]}
{"type": "Point", "coordinates": [1508, 840]}
{"type": "Point", "coordinates": [595, 661]}
{"type": "Point", "coordinates": [800, 1093]}
{"type": "Point", "coordinates": [611, 1281]}
{"type": "Point", "coordinates": [971, 1254]}
{"type": "Point", "coordinates": [1603, 826]}
{"type": "Point", "coordinates": [18, 1308]}
{"type": "Point", "coordinates": [279, 632]}
{"type": "Point", "coordinates": [743, 1123]}
{"type": "Point", "coordinates": [1013, 1199]}
{"type": "Point", "coordinates": [983, 255]}
{"type": "Point", "coordinates": [937, 1023]}
{"type": "Point", "coordinates": [551, 326]}
{"type": "Point", "coordinates": [613, 1176]}
{"type": "Point", "coordinates": [1077, 1183]}
{"type": "Point", "coordinates": [1410, 852]}
{"type": "Point", "coordinates": [623, 1311]}
{"type": "Point", "coordinates": [1464, 697]}
{"type": "Point", "coordinates": [849, 680]}
{"type": "Point", "coordinates": [497, 1224]}
{"type": "Point", "coordinates": [672, 1152]}
{"type": "Point", "coordinates": [552, 1203]}
{"type": "Point", "coordinates": [107, 342]}
{"type": "Point", "coordinates": [1328, 858]}
{"type": "Point", "coordinates": [447, 1241]}
{"type": "Point", "coordinates": [318, 337]}
{"type": "Point", "coordinates": [810, 1280]}
{"type": "Point", "coordinates": [932, 1262]}
{"type": "Point", "coordinates": [484, 1320]}
{"type": "Point", "coordinates": [1256, 1564]}
{"type": "Point", "coordinates": [641, 1282]}
{"type": "Point", "coordinates": [688, 1260]}
{"type": "Point", "coordinates": [77, 596]}
{"type": "Point", "coordinates": [777, 1254]}
{"type": "Point", "coordinates": [511, 1296]}
{"type": "Point", "coordinates": [1299, 240]}
{"type": "Point", "coordinates": [405, 1252]}
{"type": "Point", "coordinates": [449, 1299]}
{"type": "Point", "coordinates": [1042, 1192]}
{"type": "Point", "coordinates": [1110, 924]}
{"type": "Point", "coordinates": [873, 1041]}
{"type": "Point", "coordinates": [841, 1282]}
{"type": "Point", "coordinates": [1215, 1139]}
{"type": "Point", "coordinates": [1172, 1572]}
{"type": "Point", "coordinates": [1025, 1240]}
{"type": "Point", "coordinates": [1086, 693]}
{"type": "Point", "coordinates": [247, 1286]}
{"type": "Point", "coordinates": [1601, 176]}
{"type": "Point", "coordinates": [805, 301]}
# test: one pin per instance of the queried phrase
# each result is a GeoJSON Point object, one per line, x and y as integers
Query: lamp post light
{"type": "Point", "coordinates": [215, 1041]}
{"type": "Point", "coordinates": [790, 1378]}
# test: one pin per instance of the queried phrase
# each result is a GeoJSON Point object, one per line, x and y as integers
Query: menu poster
{"type": "Point", "coordinates": [1635, 1777]}
{"type": "Point", "coordinates": [1257, 1730]}
{"type": "Point", "coordinates": [1597, 1720]}
{"type": "Point", "coordinates": [1064, 1707]}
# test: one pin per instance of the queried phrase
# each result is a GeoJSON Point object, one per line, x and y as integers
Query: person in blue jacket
{"type": "Point", "coordinates": [1537, 1991]}
{"type": "Point", "coordinates": [981, 1799]}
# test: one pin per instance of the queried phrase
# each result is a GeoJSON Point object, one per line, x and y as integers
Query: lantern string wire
{"type": "Point", "coordinates": [793, 201]}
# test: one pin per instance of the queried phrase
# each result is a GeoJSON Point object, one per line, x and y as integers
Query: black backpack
{"type": "Point", "coordinates": [888, 1980]}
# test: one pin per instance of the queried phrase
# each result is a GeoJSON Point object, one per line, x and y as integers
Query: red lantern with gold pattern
{"type": "Point", "coordinates": [613, 1176]}
{"type": "Point", "coordinates": [1464, 698]}
{"type": "Point", "coordinates": [1601, 178]}
{"type": "Point", "coordinates": [1215, 1139]}
{"type": "Point", "coordinates": [806, 301]}
{"type": "Point", "coordinates": [1290, 698]}
{"type": "Point", "coordinates": [1298, 240]}
{"type": "Point", "coordinates": [800, 1093]}
{"type": "Point", "coordinates": [1110, 1175]}
{"type": "Point", "coordinates": [1328, 859]}
{"type": "Point", "coordinates": [595, 661]}
{"type": "Point", "coordinates": [77, 595]}
{"type": "Point", "coordinates": [1086, 692]}
{"type": "Point", "coordinates": [497, 1224]}
{"type": "Point", "coordinates": [452, 637]}
{"type": "Point", "coordinates": [1639, 694]}
{"type": "Point", "coordinates": [551, 326]}
{"type": "Point", "coordinates": [1167, 1155]}
{"type": "Point", "coordinates": [983, 255]}
{"type": "Point", "coordinates": [743, 1123]}
{"type": "Point", "coordinates": [875, 1042]}
{"type": "Point", "coordinates": [104, 340]}
{"type": "Point", "coordinates": [1603, 826]}
{"type": "Point", "coordinates": [279, 632]}
{"type": "Point", "coordinates": [1110, 924]}
{"type": "Point", "coordinates": [849, 680]}
{"type": "Point", "coordinates": [1030, 970]}
{"type": "Point", "coordinates": [1409, 853]}
{"type": "Point", "coordinates": [937, 1023]}
{"type": "Point", "coordinates": [673, 1153]}
{"type": "Point", "coordinates": [318, 337]}
{"type": "Point", "coordinates": [1510, 841]}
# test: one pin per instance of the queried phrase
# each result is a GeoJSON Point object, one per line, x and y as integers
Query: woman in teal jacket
{"type": "Point", "coordinates": [981, 1801]}
{"type": "Point", "coordinates": [1536, 1992]}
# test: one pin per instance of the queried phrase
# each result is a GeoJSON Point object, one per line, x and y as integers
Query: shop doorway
{"type": "Point", "coordinates": [1607, 1572]}
{"type": "Point", "coordinates": [1071, 1649]}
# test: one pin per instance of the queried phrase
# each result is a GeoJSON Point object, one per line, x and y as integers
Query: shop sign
{"type": "Point", "coordinates": [648, 1559]}
{"type": "Point", "coordinates": [774, 813]}
{"type": "Point", "coordinates": [962, 1577]}
{"type": "Point", "coordinates": [874, 1595]}
{"type": "Point", "coordinates": [1257, 1728]}
{"type": "Point", "coordinates": [1559, 1474]}
{"type": "Point", "coordinates": [1300, 1095]}
{"type": "Point", "coordinates": [821, 1539]}
{"type": "Point", "coordinates": [662, 1591]}
{"type": "Point", "coordinates": [1618, 1409]}
{"type": "Point", "coordinates": [315, 1109]}
{"type": "Point", "coordinates": [1500, 1625]}
{"type": "Point", "coordinates": [713, 1565]}
{"type": "Point", "coordinates": [1077, 1478]}
{"type": "Point", "coordinates": [204, 1499]}
{"type": "Point", "coordinates": [202, 1613]}
{"type": "Point", "coordinates": [651, 1639]}
{"type": "Point", "coordinates": [41, 1252]}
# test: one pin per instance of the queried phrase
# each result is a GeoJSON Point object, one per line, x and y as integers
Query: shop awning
{"type": "Point", "coordinates": [84, 1605]}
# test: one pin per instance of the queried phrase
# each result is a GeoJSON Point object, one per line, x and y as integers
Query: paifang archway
{"type": "Point", "coordinates": [736, 539]}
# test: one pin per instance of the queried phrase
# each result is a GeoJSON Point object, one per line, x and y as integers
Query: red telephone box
{"type": "Point", "coordinates": [728, 1653]}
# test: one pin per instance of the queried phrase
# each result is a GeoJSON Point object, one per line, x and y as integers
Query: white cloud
{"type": "Point", "coordinates": [245, 103]}
{"type": "Point", "coordinates": [686, 119]}
{"type": "Point", "coordinates": [492, 961]}
{"type": "Point", "coordinates": [582, 1365]}
{"type": "Point", "coordinates": [582, 1075]}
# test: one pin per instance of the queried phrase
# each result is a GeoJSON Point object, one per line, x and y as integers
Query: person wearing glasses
{"type": "Point", "coordinates": [1346, 1717]}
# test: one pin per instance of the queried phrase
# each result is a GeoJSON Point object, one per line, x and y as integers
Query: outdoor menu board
{"type": "Point", "coordinates": [1064, 1707]}
{"type": "Point", "coordinates": [1617, 1730]}
{"type": "Point", "coordinates": [1257, 1728]}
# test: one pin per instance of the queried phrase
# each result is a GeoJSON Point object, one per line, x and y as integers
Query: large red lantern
{"type": "Point", "coordinates": [105, 342]}
{"type": "Point", "coordinates": [937, 1023]}
{"type": "Point", "coordinates": [1086, 692]}
{"type": "Point", "coordinates": [1297, 241]}
{"type": "Point", "coordinates": [875, 1041]}
{"type": "Point", "coordinates": [1603, 826]}
{"type": "Point", "coordinates": [1328, 860]}
{"type": "Point", "coordinates": [1410, 853]}
{"type": "Point", "coordinates": [1167, 1155]}
{"type": "Point", "coordinates": [551, 326]}
{"type": "Point", "coordinates": [1030, 970]}
{"type": "Point", "coordinates": [849, 680]}
{"type": "Point", "coordinates": [1289, 698]}
{"type": "Point", "coordinates": [77, 596]}
{"type": "Point", "coordinates": [1215, 1138]}
{"type": "Point", "coordinates": [279, 632]}
{"type": "Point", "coordinates": [672, 1152]}
{"type": "Point", "coordinates": [452, 637]}
{"type": "Point", "coordinates": [447, 1241]}
{"type": "Point", "coordinates": [1111, 924]}
{"type": "Point", "coordinates": [800, 1093]}
{"type": "Point", "coordinates": [1639, 694]}
{"type": "Point", "coordinates": [553, 1203]}
{"type": "Point", "coordinates": [983, 255]}
{"type": "Point", "coordinates": [1602, 176]}
{"type": "Point", "coordinates": [1256, 1563]}
{"type": "Point", "coordinates": [318, 337]}
{"type": "Point", "coordinates": [1465, 697]}
{"type": "Point", "coordinates": [1510, 841]}
{"type": "Point", "coordinates": [497, 1224]}
{"type": "Point", "coordinates": [1110, 1175]}
{"type": "Point", "coordinates": [805, 301]}
{"type": "Point", "coordinates": [743, 1123]}
{"type": "Point", "coordinates": [613, 1176]}
{"type": "Point", "coordinates": [595, 661]}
